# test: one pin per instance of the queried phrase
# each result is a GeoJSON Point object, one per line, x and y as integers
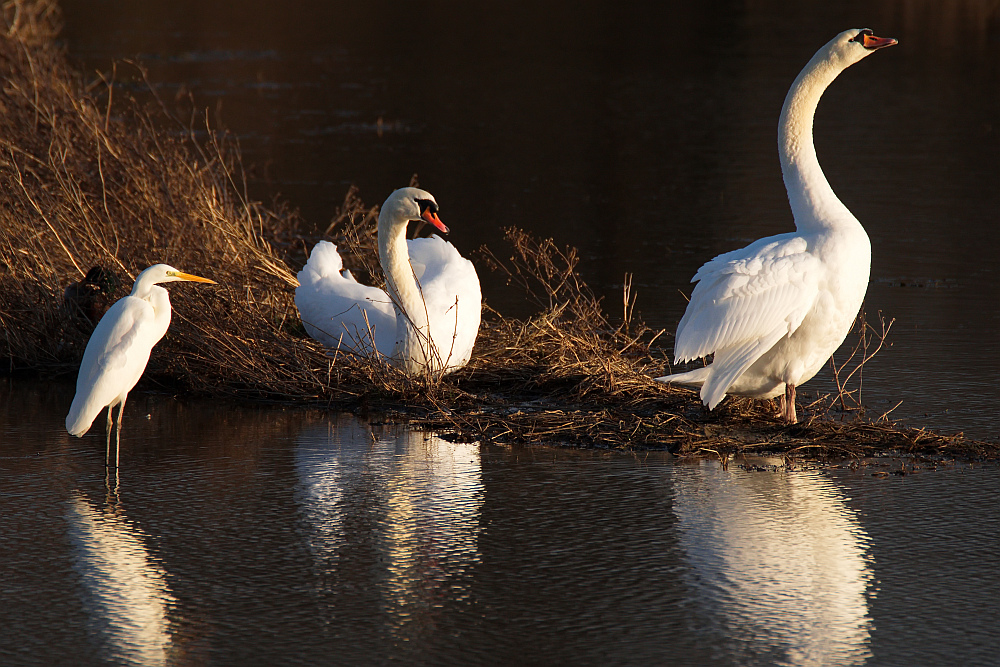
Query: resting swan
{"type": "Point", "coordinates": [774, 312]}
{"type": "Point", "coordinates": [427, 321]}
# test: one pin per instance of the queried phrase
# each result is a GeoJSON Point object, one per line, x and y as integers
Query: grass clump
{"type": "Point", "coordinates": [94, 177]}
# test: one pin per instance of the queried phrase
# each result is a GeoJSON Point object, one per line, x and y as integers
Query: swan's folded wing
{"type": "Point", "coordinates": [340, 312]}
{"type": "Point", "coordinates": [748, 295]}
{"type": "Point", "coordinates": [451, 290]}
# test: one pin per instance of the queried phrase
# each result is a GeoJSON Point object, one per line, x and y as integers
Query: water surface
{"type": "Point", "coordinates": [645, 135]}
{"type": "Point", "coordinates": [268, 536]}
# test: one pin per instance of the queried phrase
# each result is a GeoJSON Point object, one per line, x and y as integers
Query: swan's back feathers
{"type": "Point", "coordinates": [748, 295]}
{"type": "Point", "coordinates": [340, 312]}
{"type": "Point", "coordinates": [451, 290]}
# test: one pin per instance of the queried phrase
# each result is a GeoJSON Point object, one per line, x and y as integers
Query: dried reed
{"type": "Point", "coordinates": [93, 178]}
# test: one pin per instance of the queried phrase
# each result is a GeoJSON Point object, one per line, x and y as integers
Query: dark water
{"type": "Point", "coordinates": [642, 133]}
{"type": "Point", "coordinates": [263, 536]}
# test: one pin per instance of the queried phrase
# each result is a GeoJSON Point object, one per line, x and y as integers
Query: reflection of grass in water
{"type": "Point", "coordinates": [93, 178]}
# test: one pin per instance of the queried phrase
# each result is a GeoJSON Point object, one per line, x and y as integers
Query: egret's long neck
{"type": "Point", "coordinates": [143, 284]}
{"type": "Point", "coordinates": [401, 284]}
{"type": "Point", "coordinates": [145, 287]}
{"type": "Point", "coordinates": [159, 298]}
{"type": "Point", "coordinates": [813, 202]}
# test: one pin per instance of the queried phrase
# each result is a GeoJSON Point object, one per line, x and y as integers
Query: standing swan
{"type": "Point", "coordinates": [774, 312]}
{"type": "Point", "coordinates": [427, 319]}
{"type": "Point", "coordinates": [119, 348]}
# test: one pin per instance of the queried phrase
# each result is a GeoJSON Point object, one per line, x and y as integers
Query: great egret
{"type": "Point", "coordinates": [428, 320]}
{"type": "Point", "coordinates": [119, 348]}
{"type": "Point", "coordinates": [774, 312]}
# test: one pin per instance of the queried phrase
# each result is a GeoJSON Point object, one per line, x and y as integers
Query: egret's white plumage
{"type": "Point", "coordinates": [428, 319]}
{"type": "Point", "coordinates": [773, 313]}
{"type": "Point", "coordinates": [119, 349]}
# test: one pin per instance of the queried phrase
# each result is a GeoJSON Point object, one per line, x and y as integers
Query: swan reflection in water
{"type": "Point", "coordinates": [412, 498]}
{"type": "Point", "coordinates": [125, 592]}
{"type": "Point", "coordinates": [777, 565]}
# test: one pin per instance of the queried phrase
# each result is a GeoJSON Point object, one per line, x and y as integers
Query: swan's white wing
{"type": "Point", "coordinates": [747, 294]}
{"type": "Point", "coordinates": [340, 312]}
{"type": "Point", "coordinates": [745, 302]}
{"type": "Point", "coordinates": [452, 293]}
{"type": "Point", "coordinates": [116, 355]}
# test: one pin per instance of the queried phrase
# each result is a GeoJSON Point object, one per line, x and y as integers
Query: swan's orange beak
{"type": "Point", "coordinates": [872, 42]}
{"type": "Point", "coordinates": [433, 218]}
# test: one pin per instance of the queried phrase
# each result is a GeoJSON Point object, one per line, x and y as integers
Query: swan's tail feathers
{"type": "Point", "coordinates": [340, 312]}
{"type": "Point", "coordinates": [700, 377]}
{"type": "Point", "coordinates": [731, 363]}
{"type": "Point", "coordinates": [712, 391]}
{"type": "Point", "coordinates": [695, 378]}
{"type": "Point", "coordinates": [727, 367]}
{"type": "Point", "coordinates": [324, 262]}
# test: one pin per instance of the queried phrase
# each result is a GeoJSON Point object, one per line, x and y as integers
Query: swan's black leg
{"type": "Point", "coordinates": [788, 405]}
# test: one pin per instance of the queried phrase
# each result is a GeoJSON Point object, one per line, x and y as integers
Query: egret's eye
{"type": "Point", "coordinates": [426, 205]}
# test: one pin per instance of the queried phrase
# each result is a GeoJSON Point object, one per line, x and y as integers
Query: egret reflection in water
{"type": "Point", "coordinates": [125, 592]}
{"type": "Point", "coordinates": [411, 497]}
{"type": "Point", "coordinates": [777, 565]}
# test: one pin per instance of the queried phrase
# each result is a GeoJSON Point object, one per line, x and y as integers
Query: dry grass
{"type": "Point", "coordinates": [93, 177]}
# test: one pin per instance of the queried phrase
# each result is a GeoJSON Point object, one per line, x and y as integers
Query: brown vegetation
{"type": "Point", "coordinates": [91, 177]}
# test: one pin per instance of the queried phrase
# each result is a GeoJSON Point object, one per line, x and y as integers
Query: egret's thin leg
{"type": "Point", "coordinates": [107, 451]}
{"type": "Point", "coordinates": [118, 435]}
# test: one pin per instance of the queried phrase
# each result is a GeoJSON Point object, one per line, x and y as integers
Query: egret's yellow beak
{"type": "Point", "coordinates": [192, 278]}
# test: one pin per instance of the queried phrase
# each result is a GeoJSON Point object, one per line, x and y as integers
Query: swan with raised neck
{"type": "Point", "coordinates": [772, 313]}
{"type": "Point", "coordinates": [814, 205]}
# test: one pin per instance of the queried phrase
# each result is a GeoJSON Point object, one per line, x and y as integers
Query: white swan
{"type": "Point", "coordinates": [428, 320]}
{"type": "Point", "coordinates": [774, 312]}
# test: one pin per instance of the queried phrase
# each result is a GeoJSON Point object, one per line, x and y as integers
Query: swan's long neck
{"type": "Point", "coordinates": [412, 329]}
{"type": "Point", "coordinates": [813, 202]}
